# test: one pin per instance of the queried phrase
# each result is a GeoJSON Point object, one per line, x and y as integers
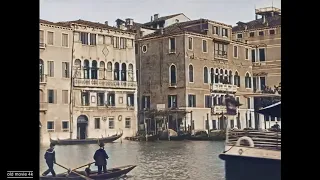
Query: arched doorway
{"type": "Point", "coordinates": [222, 122]}
{"type": "Point", "coordinates": [82, 126]}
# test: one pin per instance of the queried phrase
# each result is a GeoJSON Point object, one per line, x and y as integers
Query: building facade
{"type": "Point", "coordinates": [55, 59]}
{"type": "Point", "coordinates": [192, 66]}
{"type": "Point", "coordinates": [101, 82]}
{"type": "Point", "coordinates": [264, 36]}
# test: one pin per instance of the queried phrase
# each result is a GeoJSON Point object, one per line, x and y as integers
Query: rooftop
{"type": "Point", "coordinates": [270, 21]}
{"type": "Point", "coordinates": [163, 18]}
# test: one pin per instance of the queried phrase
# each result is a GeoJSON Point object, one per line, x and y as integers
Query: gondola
{"type": "Point", "coordinates": [111, 173]}
{"type": "Point", "coordinates": [203, 136]}
{"type": "Point", "coordinates": [86, 141]}
{"type": "Point", "coordinates": [179, 137]}
{"type": "Point", "coordinates": [143, 138]}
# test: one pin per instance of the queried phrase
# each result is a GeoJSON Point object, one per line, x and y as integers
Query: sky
{"type": "Point", "coordinates": [225, 11]}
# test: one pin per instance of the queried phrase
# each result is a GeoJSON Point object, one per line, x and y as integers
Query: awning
{"type": "Point", "coordinates": [272, 110]}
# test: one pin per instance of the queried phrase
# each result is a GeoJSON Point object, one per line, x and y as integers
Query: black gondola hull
{"type": "Point", "coordinates": [111, 173]}
{"type": "Point", "coordinates": [109, 139]}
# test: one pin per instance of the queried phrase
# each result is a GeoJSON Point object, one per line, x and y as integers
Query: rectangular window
{"type": "Point", "coordinates": [172, 101]}
{"type": "Point", "coordinates": [65, 38]}
{"type": "Point", "coordinates": [50, 125]}
{"type": "Point", "coordinates": [111, 99]}
{"type": "Point", "coordinates": [235, 51]}
{"type": "Point", "coordinates": [128, 123]}
{"type": "Point", "coordinates": [239, 36]}
{"type": "Point", "coordinates": [232, 123]}
{"type": "Point", "coordinates": [214, 124]}
{"type": "Point", "coordinates": [255, 84]}
{"type": "Point", "coordinates": [85, 98]}
{"type": "Point", "coordinates": [272, 32]}
{"type": "Point", "coordinates": [262, 83]}
{"type": "Point", "coordinates": [220, 50]}
{"type": "Point", "coordinates": [52, 96]}
{"type": "Point", "coordinates": [208, 101]}
{"type": "Point", "coordinates": [130, 100]}
{"type": "Point", "coordinates": [224, 32]}
{"type": "Point", "coordinates": [249, 103]}
{"type": "Point", "coordinates": [84, 38]}
{"type": "Point", "coordinates": [50, 38]}
{"type": "Point", "coordinates": [65, 96]}
{"type": "Point", "coordinates": [215, 30]}
{"type": "Point", "coordinates": [172, 45]}
{"type": "Point", "coordinates": [253, 55]}
{"type": "Point", "coordinates": [247, 53]}
{"type": "Point", "coordinates": [146, 102]}
{"type": "Point", "coordinates": [65, 125]}
{"type": "Point", "coordinates": [97, 123]}
{"type": "Point", "coordinates": [261, 33]}
{"type": "Point", "coordinates": [136, 48]}
{"type": "Point", "coordinates": [50, 68]}
{"type": "Point", "coordinates": [41, 37]}
{"type": "Point", "coordinates": [204, 46]}
{"type": "Point", "coordinates": [192, 100]}
{"type": "Point", "coordinates": [122, 43]}
{"type": "Point", "coordinates": [111, 123]}
{"type": "Point", "coordinates": [65, 70]}
{"type": "Point", "coordinates": [101, 99]}
{"type": "Point", "coordinates": [190, 43]}
{"type": "Point", "coordinates": [93, 39]}
{"type": "Point", "coordinates": [116, 42]}
{"type": "Point", "coordinates": [262, 55]}
{"type": "Point", "coordinates": [251, 34]}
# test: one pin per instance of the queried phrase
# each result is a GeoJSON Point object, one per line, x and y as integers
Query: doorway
{"type": "Point", "coordinates": [222, 122]}
{"type": "Point", "coordinates": [82, 127]}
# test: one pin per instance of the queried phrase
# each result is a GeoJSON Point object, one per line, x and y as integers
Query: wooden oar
{"type": "Point", "coordinates": [87, 178]}
{"type": "Point", "coordinates": [81, 167]}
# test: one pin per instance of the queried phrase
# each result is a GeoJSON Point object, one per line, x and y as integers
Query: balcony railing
{"type": "Point", "coordinates": [105, 83]}
{"type": "Point", "coordinates": [223, 88]}
{"type": "Point", "coordinates": [43, 106]}
{"type": "Point", "coordinates": [43, 78]}
{"type": "Point", "coordinates": [42, 45]}
{"type": "Point", "coordinates": [219, 109]}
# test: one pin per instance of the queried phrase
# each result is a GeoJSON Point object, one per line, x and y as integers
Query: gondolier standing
{"type": "Point", "coordinates": [101, 157]}
{"type": "Point", "coordinates": [50, 157]}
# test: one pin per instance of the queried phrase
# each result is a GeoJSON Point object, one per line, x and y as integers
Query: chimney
{"type": "Point", "coordinates": [151, 19]}
{"type": "Point", "coordinates": [155, 17]}
{"type": "Point", "coordinates": [161, 30]}
{"type": "Point", "coordinates": [106, 23]}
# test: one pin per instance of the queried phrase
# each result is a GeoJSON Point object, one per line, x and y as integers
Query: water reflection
{"type": "Point", "coordinates": [154, 160]}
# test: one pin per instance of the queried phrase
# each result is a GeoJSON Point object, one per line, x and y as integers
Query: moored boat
{"type": "Point", "coordinates": [111, 173]}
{"type": "Point", "coordinates": [86, 141]}
{"type": "Point", "coordinates": [204, 136]}
{"type": "Point", "coordinates": [143, 138]}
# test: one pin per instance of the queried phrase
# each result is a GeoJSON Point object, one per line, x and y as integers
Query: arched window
{"type": "Point", "coordinates": [237, 79]}
{"type": "Point", "coordinates": [221, 76]}
{"type": "Point", "coordinates": [123, 72]}
{"type": "Point", "coordinates": [130, 73]}
{"type": "Point", "coordinates": [94, 70]}
{"type": "Point", "coordinates": [109, 70]}
{"type": "Point", "coordinates": [205, 75]}
{"type": "Point", "coordinates": [116, 71]}
{"type": "Point", "coordinates": [230, 77]}
{"type": "Point", "coordinates": [102, 70]}
{"type": "Point", "coordinates": [77, 68]}
{"type": "Point", "coordinates": [190, 73]}
{"type": "Point", "coordinates": [216, 76]}
{"type": "Point", "coordinates": [173, 75]}
{"type": "Point", "coordinates": [86, 69]}
{"type": "Point", "coordinates": [226, 79]}
{"type": "Point", "coordinates": [212, 75]}
{"type": "Point", "coordinates": [247, 81]}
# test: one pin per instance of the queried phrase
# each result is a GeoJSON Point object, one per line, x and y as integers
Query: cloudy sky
{"type": "Point", "coordinates": [226, 11]}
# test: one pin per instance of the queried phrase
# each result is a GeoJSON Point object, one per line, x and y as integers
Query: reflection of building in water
{"type": "Point", "coordinates": [55, 57]}
{"type": "Point", "coordinates": [102, 73]}
{"type": "Point", "coordinates": [191, 66]}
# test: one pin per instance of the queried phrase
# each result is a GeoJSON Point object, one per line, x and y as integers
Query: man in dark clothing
{"type": "Point", "coordinates": [50, 157]}
{"type": "Point", "coordinates": [101, 157]}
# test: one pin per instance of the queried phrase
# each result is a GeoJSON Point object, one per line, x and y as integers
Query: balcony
{"type": "Point", "coordinates": [43, 106]}
{"type": "Point", "coordinates": [223, 88]}
{"type": "Point", "coordinates": [42, 45]}
{"type": "Point", "coordinates": [221, 55]}
{"type": "Point", "coordinates": [105, 83]}
{"type": "Point", "coordinates": [43, 78]}
{"type": "Point", "coordinates": [219, 109]}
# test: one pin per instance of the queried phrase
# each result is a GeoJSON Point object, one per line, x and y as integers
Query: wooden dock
{"type": "Point", "coordinates": [261, 139]}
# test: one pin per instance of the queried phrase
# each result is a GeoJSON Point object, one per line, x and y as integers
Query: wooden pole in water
{"type": "Point", "coordinates": [191, 122]}
{"type": "Point", "coordinates": [207, 124]}
{"type": "Point", "coordinates": [177, 121]}
{"type": "Point", "coordinates": [185, 123]}
{"type": "Point", "coordinates": [145, 124]}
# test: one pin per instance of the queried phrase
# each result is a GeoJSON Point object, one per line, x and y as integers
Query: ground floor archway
{"type": "Point", "coordinates": [82, 127]}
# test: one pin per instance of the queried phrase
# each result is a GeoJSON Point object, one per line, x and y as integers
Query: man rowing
{"type": "Point", "coordinates": [50, 157]}
{"type": "Point", "coordinates": [101, 156]}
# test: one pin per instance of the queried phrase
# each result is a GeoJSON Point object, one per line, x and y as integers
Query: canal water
{"type": "Point", "coordinates": [155, 160]}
